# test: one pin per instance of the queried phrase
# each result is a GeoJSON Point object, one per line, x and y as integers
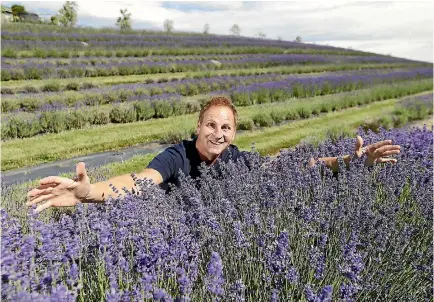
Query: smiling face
{"type": "Point", "coordinates": [215, 132]}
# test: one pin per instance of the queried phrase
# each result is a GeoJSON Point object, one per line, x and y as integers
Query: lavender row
{"type": "Point", "coordinates": [124, 92]}
{"type": "Point", "coordinates": [150, 41]}
{"type": "Point", "coordinates": [326, 84]}
{"type": "Point", "coordinates": [279, 231]}
{"type": "Point", "coordinates": [46, 70]}
{"type": "Point", "coordinates": [99, 62]}
{"type": "Point", "coordinates": [140, 52]}
{"type": "Point", "coordinates": [151, 58]}
{"type": "Point", "coordinates": [90, 38]}
{"type": "Point", "coordinates": [284, 86]}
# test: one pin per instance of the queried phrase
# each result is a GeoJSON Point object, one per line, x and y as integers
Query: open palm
{"type": "Point", "coordinates": [60, 191]}
{"type": "Point", "coordinates": [376, 153]}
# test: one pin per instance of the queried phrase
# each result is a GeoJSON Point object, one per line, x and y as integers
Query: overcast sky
{"type": "Point", "coordinates": [402, 29]}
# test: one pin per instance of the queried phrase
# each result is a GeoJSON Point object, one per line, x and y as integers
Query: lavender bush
{"type": "Point", "coordinates": [273, 229]}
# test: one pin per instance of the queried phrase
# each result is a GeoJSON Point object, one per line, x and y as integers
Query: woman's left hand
{"type": "Point", "coordinates": [376, 152]}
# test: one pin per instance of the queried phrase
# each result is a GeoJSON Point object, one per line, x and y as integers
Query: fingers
{"type": "Point", "coordinates": [50, 181]}
{"type": "Point", "coordinates": [311, 162]}
{"type": "Point", "coordinates": [81, 172]}
{"type": "Point", "coordinates": [37, 192]}
{"type": "Point", "coordinates": [381, 144]}
{"type": "Point", "coordinates": [40, 199]}
{"type": "Point", "coordinates": [43, 206]}
{"type": "Point", "coordinates": [387, 148]}
{"type": "Point", "coordinates": [387, 160]}
{"type": "Point", "coordinates": [388, 153]}
{"type": "Point", "coordinates": [359, 142]}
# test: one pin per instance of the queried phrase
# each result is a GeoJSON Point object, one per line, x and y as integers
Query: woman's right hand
{"type": "Point", "coordinates": [54, 191]}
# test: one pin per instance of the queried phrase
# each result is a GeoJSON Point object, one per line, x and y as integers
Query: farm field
{"type": "Point", "coordinates": [281, 231]}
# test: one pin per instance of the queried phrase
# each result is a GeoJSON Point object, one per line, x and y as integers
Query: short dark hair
{"type": "Point", "coordinates": [219, 101]}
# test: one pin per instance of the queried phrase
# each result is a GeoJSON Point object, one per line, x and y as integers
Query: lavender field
{"type": "Point", "coordinates": [283, 233]}
{"type": "Point", "coordinates": [286, 232]}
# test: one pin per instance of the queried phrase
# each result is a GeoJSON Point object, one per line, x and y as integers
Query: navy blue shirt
{"type": "Point", "coordinates": [185, 157]}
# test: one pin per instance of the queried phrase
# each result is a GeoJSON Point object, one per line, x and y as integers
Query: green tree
{"type": "Point", "coordinates": [54, 20]}
{"type": "Point", "coordinates": [68, 14]}
{"type": "Point", "coordinates": [124, 22]}
{"type": "Point", "coordinates": [206, 29]}
{"type": "Point", "coordinates": [16, 10]}
{"type": "Point", "coordinates": [298, 39]}
{"type": "Point", "coordinates": [168, 25]}
{"type": "Point", "coordinates": [235, 29]}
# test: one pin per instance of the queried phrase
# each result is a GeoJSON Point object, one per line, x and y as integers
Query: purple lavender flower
{"type": "Point", "coordinates": [215, 275]}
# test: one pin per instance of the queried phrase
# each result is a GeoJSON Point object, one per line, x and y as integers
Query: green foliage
{"type": "Point", "coordinates": [72, 86]}
{"type": "Point", "coordinates": [291, 114]}
{"type": "Point", "coordinates": [7, 90]}
{"type": "Point", "coordinates": [100, 118]}
{"type": "Point", "coordinates": [9, 53]}
{"type": "Point", "coordinates": [245, 124]}
{"type": "Point", "coordinates": [144, 110]}
{"type": "Point", "coordinates": [177, 136]}
{"type": "Point", "coordinates": [179, 107]}
{"type": "Point", "coordinates": [68, 14]}
{"type": "Point", "coordinates": [278, 116]}
{"type": "Point", "coordinates": [304, 112]}
{"type": "Point", "coordinates": [124, 21]}
{"type": "Point", "coordinates": [263, 120]}
{"type": "Point", "coordinates": [163, 109]}
{"type": "Point", "coordinates": [16, 11]}
{"type": "Point", "coordinates": [51, 87]}
{"type": "Point", "coordinates": [168, 26]}
{"type": "Point", "coordinates": [53, 122]}
{"type": "Point", "coordinates": [192, 106]}
{"type": "Point", "coordinates": [54, 20]}
{"type": "Point", "coordinates": [76, 120]}
{"type": "Point", "coordinates": [89, 85]}
{"type": "Point", "coordinates": [122, 115]}
{"type": "Point", "coordinates": [17, 128]}
{"type": "Point", "coordinates": [30, 89]}
{"type": "Point", "coordinates": [399, 120]}
{"type": "Point", "coordinates": [206, 29]}
{"type": "Point", "coordinates": [241, 98]}
{"type": "Point", "coordinates": [335, 133]}
{"type": "Point", "coordinates": [235, 30]}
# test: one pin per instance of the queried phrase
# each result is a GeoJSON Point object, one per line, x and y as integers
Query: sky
{"type": "Point", "coordinates": [399, 28]}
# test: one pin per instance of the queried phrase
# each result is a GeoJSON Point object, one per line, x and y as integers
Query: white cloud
{"type": "Point", "coordinates": [404, 29]}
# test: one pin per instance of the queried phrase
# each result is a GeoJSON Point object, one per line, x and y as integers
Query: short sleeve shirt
{"type": "Point", "coordinates": [185, 157]}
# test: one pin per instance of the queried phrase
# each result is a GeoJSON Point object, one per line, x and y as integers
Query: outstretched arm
{"type": "Point", "coordinates": [375, 154]}
{"type": "Point", "coordinates": [100, 191]}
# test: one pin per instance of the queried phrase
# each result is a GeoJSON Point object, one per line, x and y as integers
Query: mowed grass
{"type": "Point", "coordinates": [51, 147]}
{"type": "Point", "coordinates": [114, 80]}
